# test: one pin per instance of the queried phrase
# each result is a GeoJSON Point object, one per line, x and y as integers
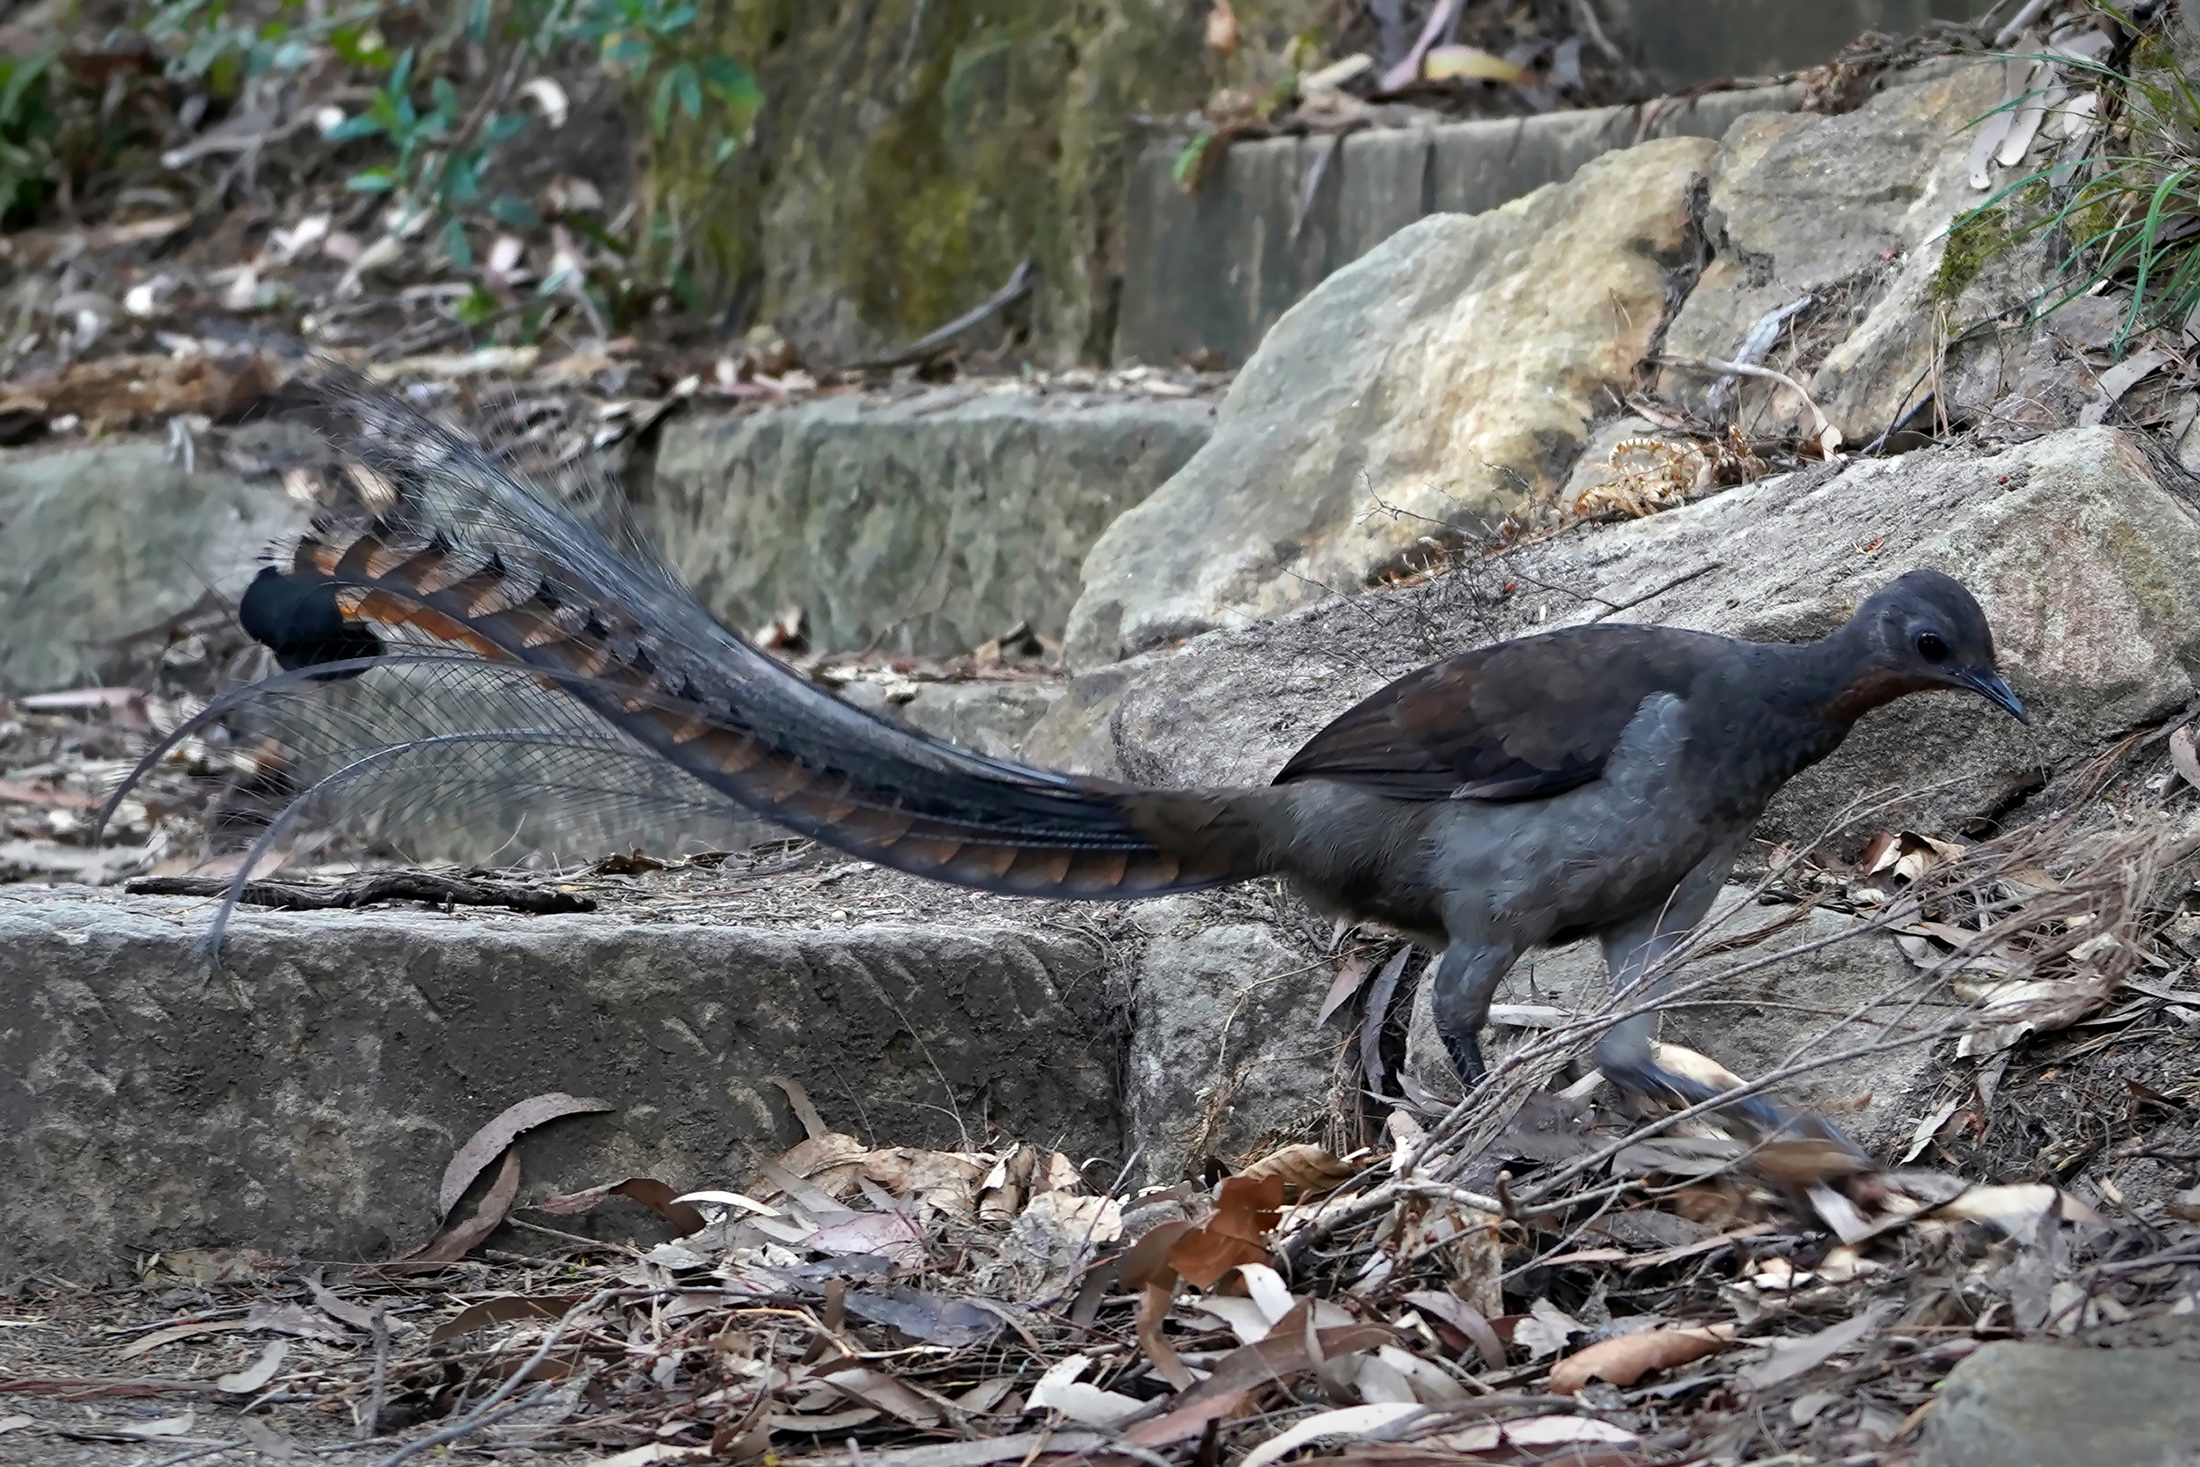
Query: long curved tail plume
{"type": "Point", "coordinates": [586, 665]}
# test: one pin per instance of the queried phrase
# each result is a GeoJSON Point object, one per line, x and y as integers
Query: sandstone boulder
{"type": "Point", "coordinates": [1851, 213]}
{"type": "Point", "coordinates": [1439, 383]}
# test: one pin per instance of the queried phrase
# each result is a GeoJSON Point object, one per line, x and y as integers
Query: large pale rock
{"type": "Point", "coordinates": [922, 526]}
{"type": "Point", "coordinates": [2019, 1405]}
{"type": "Point", "coordinates": [306, 1099]}
{"type": "Point", "coordinates": [1754, 1020]}
{"type": "Point", "coordinates": [1439, 383]}
{"type": "Point", "coordinates": [101, 546]}
{"type": "Point", "coordinates": [2088, 569]}
{"type": "Point", "coordinates": [1850, 211]}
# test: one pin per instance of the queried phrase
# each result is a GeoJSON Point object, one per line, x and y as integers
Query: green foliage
{"type": "Point", "coordinates": [436, 173]}
{"type": "Point", "coordinates": [27, 128]}
{"type": "Point", "coordinates": [204, 43]}
{"type": "Point", "coordinates": [2125, 215]}
{"type": "Point", "coordinates": [433, 149]}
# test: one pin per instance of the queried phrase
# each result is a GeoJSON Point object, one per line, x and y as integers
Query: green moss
{"type": "Point", "coordinates": [911, 152]}
{"type": "Point", "coordinates": [1973, 241]}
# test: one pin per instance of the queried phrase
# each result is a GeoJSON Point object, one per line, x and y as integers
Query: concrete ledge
{"type": "Point", "coordinates": [306, 1100]}
{"type": "Point", "coordinates": [1214, 270]}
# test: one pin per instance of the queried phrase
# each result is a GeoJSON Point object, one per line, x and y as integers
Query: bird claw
{"type": "Point", "coordinates": [1466, 1060]}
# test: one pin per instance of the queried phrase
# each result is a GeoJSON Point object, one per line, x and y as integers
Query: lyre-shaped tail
{"type": "Point", "coordinates": [453, 551]}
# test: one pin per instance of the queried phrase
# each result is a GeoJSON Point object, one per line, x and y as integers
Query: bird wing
{"type": "Point", "coordinates": [1519, 720]}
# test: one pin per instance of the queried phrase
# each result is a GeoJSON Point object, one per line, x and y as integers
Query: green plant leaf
{"type": "Point", "coordinates": [1186, 168]}
{"type": "Point", "coordinates": [502, 127]}
{"type": "Point", "coordinates": [733, 84]}
{"type": "Point", "coordinates": [690, 89]}
{"type": "Point", "coordinates": [513, 210]}
{"type": "Point", "coordinates": [372, 181]}
{"type": "Point", "coordinates": [461, 178]}
{"type": "Point", "coordinates": [660, 105]}
{"type": "Point", "coordinates": [401, 74]}
{"type": "Point", "coordinates": [582, 224]}
{"type": "Point", "coordinates": [476, 309]}
{"type": "Point", "coordinates": [452, 237]}
{"type": "Point", "coordinates": [353, 127]}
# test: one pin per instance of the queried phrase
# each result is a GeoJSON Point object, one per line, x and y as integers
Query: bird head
{"type": "Point", "coordinates": [1926, 630]}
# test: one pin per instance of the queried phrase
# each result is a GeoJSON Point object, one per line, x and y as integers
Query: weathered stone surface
{"type": "Point", "coordinates": [2085, 565]}
{"type": "Point", "coordinates": [1225, 1058]}
{"type": "Point", "coordinates": [1852, 212]}
{"type": "Point", "coordinates": [1213, 270]}
{"type": "Point", "coordinates": [991, 717]}
{"type": "Point", "coordinates": [306, 1100]}
{"type": "Point", "coordinates": [2017, 1405]}
{"type": "Point", "coordinates": [1754, 1022]}
{"type": "Point", "coordinates": [928, 525]}
{"type": "Point", "coordinates": [103, 544]}
{"type": "Point", "coordinates": [1443, 380]}
{"type": "Point", "coordinates": [1688, 41]}
{"type": "Point", "coordinates": [916, 150]}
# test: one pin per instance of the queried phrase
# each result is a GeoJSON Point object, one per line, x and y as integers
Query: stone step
{"type": "Point", "coordinates": [306, 1099]}
{"type": "Point", "coordinates": [925, 525]}
{"type": "Point", "coordinates": [1212, 270]}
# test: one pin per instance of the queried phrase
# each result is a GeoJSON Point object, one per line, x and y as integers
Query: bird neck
{"type": "Point", "coordinates": [1850, 677]}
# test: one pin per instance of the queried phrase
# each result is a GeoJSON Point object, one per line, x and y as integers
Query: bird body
{"type": "Point", "coordinates": [1591, 781]}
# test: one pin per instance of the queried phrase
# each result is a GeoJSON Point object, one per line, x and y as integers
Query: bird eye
{"type": "Point", "coordinates": [1931, 647]}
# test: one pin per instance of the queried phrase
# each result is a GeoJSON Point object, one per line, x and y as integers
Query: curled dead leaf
{"type": "Point", "coordinates": [491, 1141]}
{"type": "Point", "coordinates": [460, 1239]}
{"type": "Point", "coordinates": [657, 1196]}
{"type": "Point", "coordinates": [2184, 753]}
{"type": "Point", "coordinates": [1631, 1357]}
{"type": "Point", "coordinates": [1305, 1169]}
{"type": "Point", "coordinates": [1237, 1234]}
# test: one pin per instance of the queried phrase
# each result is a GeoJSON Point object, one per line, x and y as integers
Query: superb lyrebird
{"type": "Point", "coordinates": [1593, 781]}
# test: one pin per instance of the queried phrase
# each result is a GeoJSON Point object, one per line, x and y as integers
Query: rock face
{"type": "Point", "coordinates": [1213, 270]}
{"type": "Point", "coordinates": [918, 149]}
{"type": "Point", "coordinates": [2015, 1405]}
{"type": "Point", "coordinates": [1224, 1055]}
{"type": "Point", "coordinates": [924, 526]}
{"type": "Point", "coordinates": [101, 546]}
{"type": "Point", "coordinates": [1849, 212]}
{"type": "Point", "coordinates": [306, 1100]}
{"type": "Point", "coordinates": [1439, 383]}
{"type": "Point", "coordinates": [1688, 41]}
{"type": "Point", "coordinates": [2080, 558]}
{"type": "Point", "coordinates": [1754, 1021]}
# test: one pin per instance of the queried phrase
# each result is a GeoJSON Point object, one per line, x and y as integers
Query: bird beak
{"type": "Point", "coordinates": [1988, 685]}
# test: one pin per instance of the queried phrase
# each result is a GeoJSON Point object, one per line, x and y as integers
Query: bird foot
{"type": "Point", "coordinates": [1766, 1120]}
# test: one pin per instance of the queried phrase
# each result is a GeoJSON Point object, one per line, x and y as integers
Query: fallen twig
{"type": "Point", "coordinates": [1822, 428]}
{"type": "Point", "coordinates": [931, 345]}
{"type": "Point", "coordinates": [381, 886]}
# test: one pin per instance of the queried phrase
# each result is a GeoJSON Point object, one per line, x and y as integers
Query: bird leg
{"type": "Point", "coordinates": [1627, 1053]}
{"type": "Point", "coordinates": [1466, 980]}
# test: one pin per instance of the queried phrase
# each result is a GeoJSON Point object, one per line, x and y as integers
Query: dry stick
{"type": "Point", "coordinates": [1828, 436]}
{"type": "Point", "coordinates": [487, 1414]}
{"type": "Point", "coordinates": [381, 1371]}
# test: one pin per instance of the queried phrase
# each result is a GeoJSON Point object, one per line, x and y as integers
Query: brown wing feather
{"type": "Point", "coordinates": [1519, 720]}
